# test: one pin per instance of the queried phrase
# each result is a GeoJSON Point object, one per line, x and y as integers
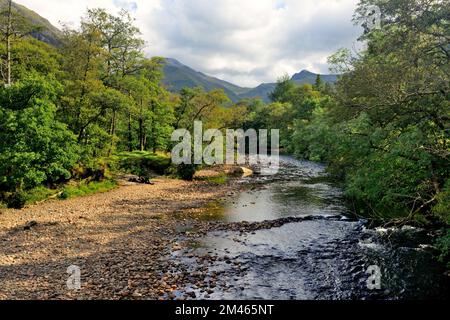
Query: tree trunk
{"type": "Point", "coordinates": [8, 44]}
{"type": "Point", "coordinates": [141, 135]}
{"type": "Point", "coordinates": [141, 129]}
{"type": "Point", "coordinates": [130, 133]}
{"type": "Point", "coordinates": [112, 132]}
{"type": "Point", "coordinates": [154, 146]}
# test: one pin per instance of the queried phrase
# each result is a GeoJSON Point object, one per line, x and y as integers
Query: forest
{"type": "Point", "coordinates": [94, 103]}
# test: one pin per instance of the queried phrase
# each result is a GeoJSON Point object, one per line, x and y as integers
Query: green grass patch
{"type": "Point", "coordinates": [220, 179]}
{"type": "Point", "coordinates": [39, 194]}
{"type": "Point", "coordinates": [84, 189]}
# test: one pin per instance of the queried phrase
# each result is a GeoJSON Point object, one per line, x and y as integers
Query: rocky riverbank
{"type": "Point", "coordinates": [121, 240]}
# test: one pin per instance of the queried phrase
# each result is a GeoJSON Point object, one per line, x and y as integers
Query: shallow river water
{"type": "Point", "coordinates": [325, 256]}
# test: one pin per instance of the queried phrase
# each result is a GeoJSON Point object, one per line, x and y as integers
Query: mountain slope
{"type": "Point", "coordinates": [47, 33]}
{"type": "Point", "coordinates": [178, 76]}
{"type": "Point", "coordinates": [262, 91]}
{"type": "Point", "coordinates": [305, 77]}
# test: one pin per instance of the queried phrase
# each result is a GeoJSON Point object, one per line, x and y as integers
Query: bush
{"type": "Point", "coordinates": [140, 163]}
{"type": "Point", "coordinates": [186, 171]}
{"type": "Point", "coordinates": [93, 169]}
{"type": "Point", "coordinates": [442, 208]}
{"type": "Point", "coordinates": [16, 200]}
{"type": "Point", "coordinates": [443, 244]}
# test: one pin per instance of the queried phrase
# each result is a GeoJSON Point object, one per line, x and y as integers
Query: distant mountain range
{"type": "Point", "coordinates": [178, 76]}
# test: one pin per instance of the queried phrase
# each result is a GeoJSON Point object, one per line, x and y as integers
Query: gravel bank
{"type": "Point", "coordinates": [120, 240]}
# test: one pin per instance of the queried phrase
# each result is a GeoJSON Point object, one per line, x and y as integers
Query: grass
{"type": "Point", "coordinates": [220, 179]}
{"type": "Point", "coordinates": [39, 194]}
{"type": "Point", "coordinates": [84, 189]}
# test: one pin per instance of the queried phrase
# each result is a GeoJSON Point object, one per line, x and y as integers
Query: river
{"type": "Point", "coordinates": [325, 255]}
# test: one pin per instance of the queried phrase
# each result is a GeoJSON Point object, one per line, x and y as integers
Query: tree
{"type": "Point", "coordinates": [8, 36]}
{"type": "Point", "coordinates": [393, 104]}
{"type": "Point", "coordinates": [105, 59]}
{"type": "Point", "coordinates": [198, 105]}
{"type": "Point", "coordinates": [34, 147]}
{"type": "Point", "coordinates": [283, 90]}
{"type": "Point", "coordinates": [318, 84]}
{"type": "Point", "coordinates": [12, 27]}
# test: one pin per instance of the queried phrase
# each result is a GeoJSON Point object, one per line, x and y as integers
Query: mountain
{"type": "Point", "coordinates": [262, 91]}
{"type": "Point", "coordinates": [47, 33]}
{"type": "Point", "coordinates": [178, 76]}
{"type": "Point", "coordinates": [305, 77]}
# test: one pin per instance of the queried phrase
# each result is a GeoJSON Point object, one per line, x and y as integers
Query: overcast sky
{"type": "Point", "coordinates": [242, 41]}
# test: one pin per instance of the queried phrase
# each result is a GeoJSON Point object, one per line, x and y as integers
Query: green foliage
{"type": "Point", "coordinates": [186, 171]}
{"type": "Point", "coordinates": [39, 193]}
{"type": "Point", "coordinates": [442, 207]}
{"type": "Point", "coordinates": [113, 99]}
{"type": "Point", "coordinates": [73, 105]}
{"type": "Point", "coordinates": [385, 130]}
{"type": "Point", "coordinates": [316, 139]}
{"type": "Point", "coordinates": [32, 56]}
{"type": "Point", "coordinates": [16, 200]}
{"type": "Point", "coordinates": [34, 147]}
{"type": "Point", "coordinates": [283, 90]}
{"type": "Point", "coordinates": [443, 244]}
{"type": "Point", "coordinates": [198, 105]}
{"type": "Point", "coordinates": [140, 163]}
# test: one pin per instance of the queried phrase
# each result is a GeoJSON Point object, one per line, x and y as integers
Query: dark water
{"type": "Point", "coordinates": [328, 257]}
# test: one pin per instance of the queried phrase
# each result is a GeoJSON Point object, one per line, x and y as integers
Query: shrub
{"type": "Point", "coordinates": [443, 244]}
{"type": "Point", "coordinates": [186, 171]}
{"type": "Point", "coordinates": [16, 200]}
{"type": "Point", "coordinates": [140, 163]}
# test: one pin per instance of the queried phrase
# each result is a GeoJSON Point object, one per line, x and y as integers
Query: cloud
{"type": "Point", "coordinates": [127, 5]}
{"type": "Point", "coordinates": [242, 41]}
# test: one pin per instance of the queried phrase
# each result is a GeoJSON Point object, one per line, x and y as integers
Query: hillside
{"type": "Point", "coordinates": [48, 33]}
{"type": "Point", "coordinates": [178, 76]}
{"type": "Point", "coordinates": [305, 76]}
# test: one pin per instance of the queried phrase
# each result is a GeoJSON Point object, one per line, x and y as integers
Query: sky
{"type": "Point", "coordinates": [246, 42]}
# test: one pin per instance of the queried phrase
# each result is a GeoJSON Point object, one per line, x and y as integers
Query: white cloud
{"type": "Point", "coordinates": [243, 41]}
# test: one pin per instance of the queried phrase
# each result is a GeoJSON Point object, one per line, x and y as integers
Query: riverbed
{"type": "Point", "coordinates": [305, 246]}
